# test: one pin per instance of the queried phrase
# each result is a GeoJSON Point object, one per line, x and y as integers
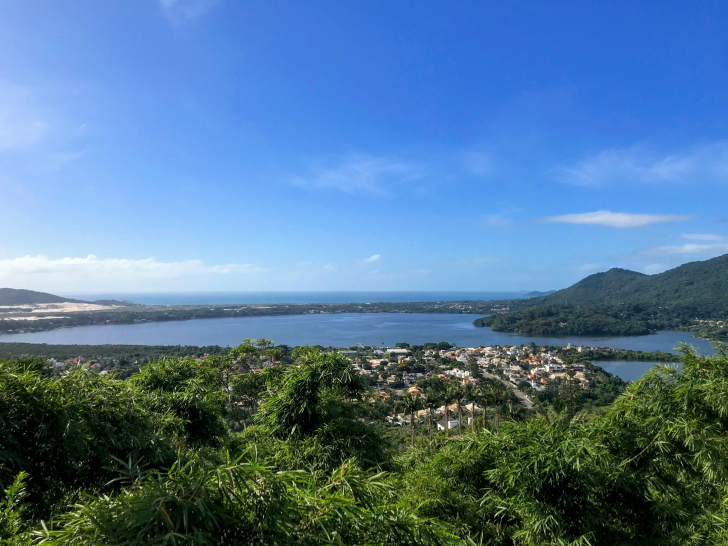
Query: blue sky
{"type": "Point", "coordinates": [218, 145]}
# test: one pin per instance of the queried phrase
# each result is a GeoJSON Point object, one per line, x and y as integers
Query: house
{"type": "Point", "coordinates": [442, 424]}
{"type": "Point", "coordinates": [414, 390]}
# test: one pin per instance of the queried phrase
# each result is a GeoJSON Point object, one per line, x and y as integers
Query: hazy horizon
{"type": "Point", "coordinates": [292, 297]}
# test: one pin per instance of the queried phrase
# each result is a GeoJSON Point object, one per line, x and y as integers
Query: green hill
{"type": "Point", "coordinates": [693, 296]}
{"type": "Point", "coordinates": [15, 296]}
{"type": "Point", "coordinates": [537, 294]}
{"type": "Point", "coordinates": [691, 283]}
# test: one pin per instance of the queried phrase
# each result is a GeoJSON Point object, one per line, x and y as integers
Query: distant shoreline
{"type": "Point", "coordinates": [17, 323]}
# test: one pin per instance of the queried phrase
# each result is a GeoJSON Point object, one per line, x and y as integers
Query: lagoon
{"type": "Point", "coordinates": [339, 330]}
{"type": "Point", "coordinates": [630, 370]}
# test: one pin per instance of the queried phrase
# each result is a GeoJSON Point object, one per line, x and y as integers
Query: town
{"type": "Point", "coordinates": [528, 376]}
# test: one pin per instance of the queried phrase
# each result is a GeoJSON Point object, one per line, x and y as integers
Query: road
{"type": "Point", "coordinates": [522, 398]}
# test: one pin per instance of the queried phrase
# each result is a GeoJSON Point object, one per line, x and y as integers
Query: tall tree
{"type": "Point", "coordinates": [410, 405]}
{"type": "Point", "coordinates": [433, 400]}
{"type": "Point", "coordinates": [457, 392]}
{"type": "Point", "coordinates": [498, 394]}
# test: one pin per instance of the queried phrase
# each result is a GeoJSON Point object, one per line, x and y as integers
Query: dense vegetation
{"type": "Point", "coordinates": [619, 302]}
{"type": "Point", "coordinates": [607, 353]}
{"type": "Point", "coordinates": [694, 283]}
{"type": "Point", "coordinates": [604, 320]}
{"type": "Point", "coordinates": [563, 320]}
{"type": "Point", "coordinates": [129, 352]}
{"type": "Point", "coordinates": [200, 452]}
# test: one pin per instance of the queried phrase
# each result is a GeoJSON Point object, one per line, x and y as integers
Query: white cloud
{"type": "Point", "coordinates": [703, 237]}
{"type": "Point", "coordinates": [371, 259]}
{"type": "Point", "coordinates": [704, 163]}
{"type": "Point", "coordinates": [653, 268]}
{"type": "Point", "coordinates": [178, 11]}
{"type": "Point", "coordinates": [108, 274]}
{"type": "Point", "coordinates": [475, 261]}
{"type": "Point", "coordinates": [361, 174]}
{"type": "Point", "coordinates": [691, 249]}
{"type": "Point", "coordinates": [615, 219]}
{"type": "Point", "coordinates": [586, 268]}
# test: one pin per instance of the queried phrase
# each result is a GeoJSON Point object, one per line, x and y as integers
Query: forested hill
{"type": "Point", "coordinates": [691, 283]}
{"type": "Point", "coordinates": [15, 296]}
{"type": "Point", "coordinates": [537, 294]}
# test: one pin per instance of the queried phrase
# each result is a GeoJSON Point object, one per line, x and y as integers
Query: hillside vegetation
{"type": "Point", "coordinates": [619, 302]}
{"type": "Point", "coordinates": [161, 458]}
{"type": "Point", "coordinates": [692, 283]}
{"type": "Point", "coordinates": [16, 296]}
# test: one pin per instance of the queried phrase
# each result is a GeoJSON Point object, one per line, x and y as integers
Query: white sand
{"type": "Point", "coordinates": [43, 310]}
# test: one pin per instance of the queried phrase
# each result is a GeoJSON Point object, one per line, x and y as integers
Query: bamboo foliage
{"type": "Point", "coordinates": [87, 460]}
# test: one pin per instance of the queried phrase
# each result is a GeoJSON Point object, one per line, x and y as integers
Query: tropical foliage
{"type": "Point", "coordinates": [206, 452]}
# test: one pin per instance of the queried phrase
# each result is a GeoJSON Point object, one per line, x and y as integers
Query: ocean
{"type": "Point", "coordinates": [223, 298]}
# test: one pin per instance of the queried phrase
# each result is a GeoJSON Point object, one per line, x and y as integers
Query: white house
{"type": "Point", "coordinates": [441, 424]}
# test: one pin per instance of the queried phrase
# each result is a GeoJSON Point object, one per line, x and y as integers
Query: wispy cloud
{"type": "Point", "coordinates": [615, 219]}
{"type": "Point", "coordinates": [496, 220]}
{"type": "Point", "coordinates": [588, 268]}
{"type": "Point", "coordinates": [317, 265]}
{"type": "Point", "coordinates": [704, 163]}
{"type": "Point", "coordinates": [21, 125]}
{"type": "Point", "coordinates": [651, 269]}
{"type": "Point", "coordinates": [68, 157]}
{"type": "Point", "coordinates": [40, 270]}
{"type": "Point", "coordinates": [718, 248]}
{"type": "Point", "coordinates": [361, 174]}
{"type": "Point", "coordinates": [178, 11]}
{"type": "Point", "coordinates": [475, 261]}
{"type": "Point", "coordinates": [371, 259]}
{"type": "Point", "coordinates": [704, 237]}
{"type": "Point", "coordinates": [478, 162]}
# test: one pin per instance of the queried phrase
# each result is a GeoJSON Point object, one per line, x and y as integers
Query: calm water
{"type": "Point", "coordinates": [340, 330]}
{"type": "Point", "coordinates": [629, 371]}
{"type": "Point", "coordinates": [239, 298]}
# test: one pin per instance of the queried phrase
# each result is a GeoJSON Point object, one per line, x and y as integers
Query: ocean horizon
{"type": "Point", "coordinates": [283, 297]}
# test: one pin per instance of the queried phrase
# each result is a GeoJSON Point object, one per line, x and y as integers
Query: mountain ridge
{"type": "Point", "coordinates": [691, 283]}
{"type": "Point", "coordinates": [693, 296]}
{"type": "Point", "coordinates": [20, 296]}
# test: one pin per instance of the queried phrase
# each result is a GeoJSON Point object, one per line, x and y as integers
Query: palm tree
{"type": "Point", "coordinates": [448, 397]}
{"type": "Point", "coordinates": [472, 394]}
{"type": "Point", "coordinates": [433, 400]}
{"type": "Point", "coordinates": [410, 404]}
{"type": "Point", "coordinates": [457, 392]}
{"type": "Point", "coordinates": [499, 394]}
{"type": "Point", "coordinates": [482, 396]}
